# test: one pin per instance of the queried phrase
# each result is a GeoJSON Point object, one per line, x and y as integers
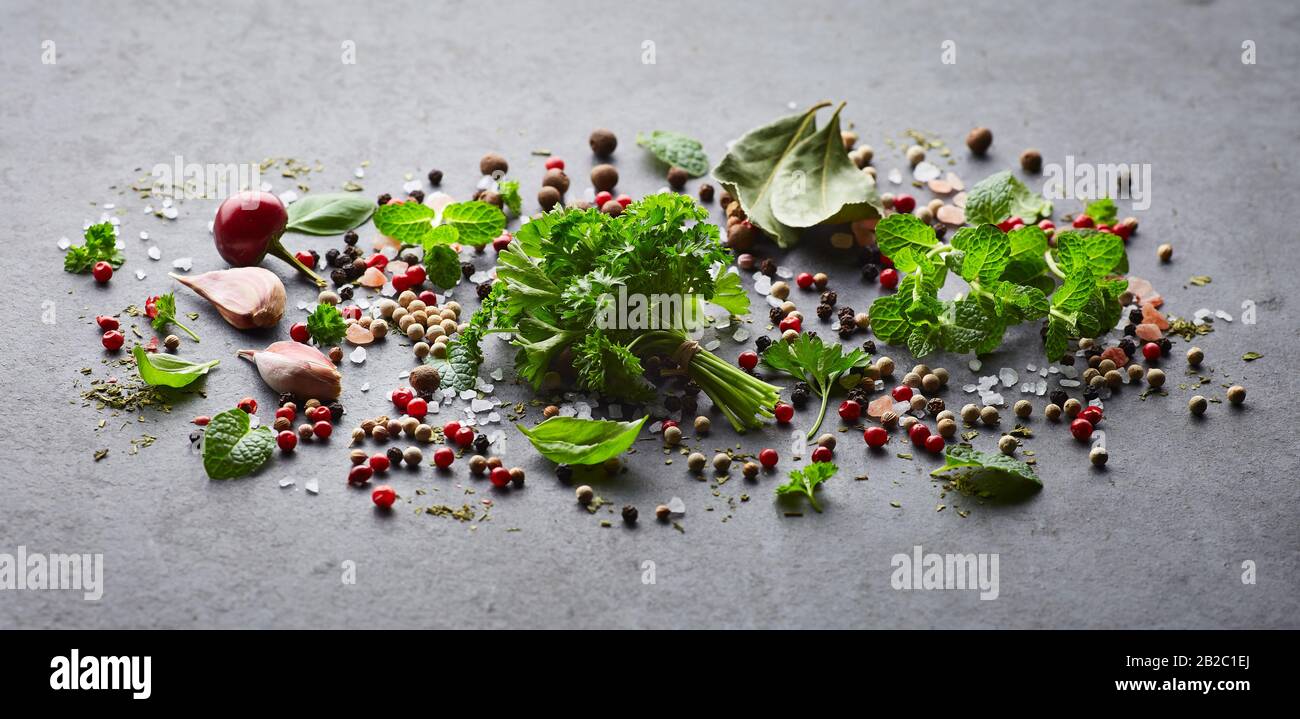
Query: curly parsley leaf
{"type": "Point", "coordinates": [326, 325]}
{"type": "Point", "coordinates": [806, 481]}
{"type": "Point", "coordinates": [100, 246]}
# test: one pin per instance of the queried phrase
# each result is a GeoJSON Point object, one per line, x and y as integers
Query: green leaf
{"type": "Point", "coordinates": [1102, 211]}
{"type": "Point", "coordinates": [1251, 356]}
{"type": "Point", "coordinates": [477, 222]}
{"type": "Point", "coordinates": [988, 475]}
{"type": "Point", "coordinates": [676, 150]}
{"type": "Point", "coordinates": [817, 180]}
{"type": "Point", "coordinates": [442, 265]}
{"type": "Point", "coordinates": [165, 370]}
{"type": "Point", "coordinates": [903, 238]}
{"type": "Point", "coordinates": [985, 252]}
{"type": "Point", "coordinates": [1097, 252]}
{"type": "Point", "coordinates": [806, 481]}
{"type": "Point", "coordinates": [730, 294]}
{"type": "Point", "coordinates": [329, 214]}
{"type": "Point", "coordinates": [1074, 293]}
{"type": "Point", "coordinates": [1001, 196]}
{"type": "Point", "coordinates": [1021, 303]}
{"type": "Point", "coordinates": [231, 449]}
{"type": "Point", "coordinates": [408, 222]}
{"type": "Point", "coordinates": [966, 325]}
{"type": "Point", "coordinates": [326, 325]}
{"type": "Point", "coordinates": [1056, 343]}
{"type": "Point", "coordinates": [750, 166]}
{"type": "Point", "coordinates": [509, 191]}
{"type": "Point", "coordinates": [166, 315]}
{"type": "Point", "coordinates": [569, 440]}
{"type": "Point", "coordinates": [820, 365]}
{"type": "Point", "coordinates": [1025, 259]}
{"type": "Point", "coordinates": [100, 246]}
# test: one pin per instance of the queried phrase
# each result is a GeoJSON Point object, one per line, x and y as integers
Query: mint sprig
{"type": "Point", "coordinates": [232, 447]}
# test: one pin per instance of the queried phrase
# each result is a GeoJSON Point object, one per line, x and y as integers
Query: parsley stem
{"type": "Point", "coordinates": [187, 330]}
{"type": "Point", "coordinates": [821, 415]}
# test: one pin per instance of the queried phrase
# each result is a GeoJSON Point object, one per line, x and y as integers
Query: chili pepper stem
{"type": "Point", "coordinates": [277, 250]}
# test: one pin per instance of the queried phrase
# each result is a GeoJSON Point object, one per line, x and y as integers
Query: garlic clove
{"type": "Point", "coordinates": [246, 297]}
{"type": "Point", "coordinates": [298, 369]}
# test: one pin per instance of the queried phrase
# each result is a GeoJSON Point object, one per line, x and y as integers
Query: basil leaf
{"type": "Point", "coordinates": [477, 222]}
{"type": "Point", "coordinates": [817, 181]}
{"type": "Point", "coordinates": [408, 222]}
{"type": "Point", "coordinates": [1000, 196]}
{"type": "Point", "coordinates": [330, 214]}
{"type": "Point", "coordinates": [442, 265]}
{"type": "Point", "coordinates": [231, 448]}
{"type": "Point", "coordinates": [164, 370]}
{"type": "Point", "coordinates": [569, 440]}
{"type": "Point", "coordinates": [676, 150]}
{"type": "Point", "coordinates": [988, 475]}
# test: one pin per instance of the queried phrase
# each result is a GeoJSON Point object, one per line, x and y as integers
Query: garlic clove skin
{"type": "Point", "coordinates": [297, 369]}
{"type": "Point", "coordinates": [247, 297]}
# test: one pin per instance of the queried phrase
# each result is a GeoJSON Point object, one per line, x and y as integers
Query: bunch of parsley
{"type": "Point", "coordinates": [100, 246]}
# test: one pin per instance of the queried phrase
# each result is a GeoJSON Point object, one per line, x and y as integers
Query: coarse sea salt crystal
{"type": "Point", "coordinates": [365, 387]}
{"type": "Point", "coordinates": [286, 483]}
{"type": "Point", "coordinates": [1069, 371]}
{"type": "Point", "coordinates": [493, 417]}
{"type": "Point", "coordinates": [895, 176]}
{"type": "Point", "coordinates": [762, 284]}
{"type": "Point", "coordinates": [1031, 368]}
{"type": "Point", "coordinates": [171, 213]}
{"type": "Point", "coordinates": [312, 486]}
{"type": "Point", "coordinates": [784, 272]}
{"type": "Point", "coordinates": [713, 345]}
{"type": "Point", "coordinates": [676, 506]}
{"type": "Point", "coordinates": [144, 235]}
{"type": "Point", "coordinates": [925, 171]}
{"type": "Point", "coordinates": [968, 388]}
{"type": "Point", "coordinates": [741, 335]}
{"type": "Point", "coordinates": [480, 405]}
{"type": "Point", "coordinates": [468, 394]}
{"type": "Point", "coordinates": [975, 365]}
{"type": "Point", "coordinates": [1069, 383]}
{"type": "Point", "coordinates": [773, 301]}
{"type": "Point", "coordinates": [1041, 388]}
{"type": "Point", "coordinates": [140, 275]}
{"type": "Point", "coordinates": [183, 264]}
{"type": "Point", "coordinates": [289, 197]}
{"type": "Point", "coordinates": [497, 374]}
{"type": "Point", "coordinates": [64, 243]}
{"type": "Point", "coordinates": [1223, 315]}
{"type": "Point", "coordinates": [1008, 376]}
{"type": "Point", "coordinates": [358, 355]}
{"type": "Point", "coordinates": [155, 253]}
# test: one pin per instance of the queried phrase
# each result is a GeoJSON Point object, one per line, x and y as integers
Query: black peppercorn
{"type": "Point", "coordinates": [1090, 394]}
{"type": "Point", "coordinates": [846, 330]}
{"type": "Point", "coordinates": [690, 405]}
{"type": "Point", "coordinates": [1130, 330]}
{"type": "Point", "coordinates": [824, 312]}
{"type": "Point", "coordinates": [629, 514]}
{"type": "Point", "coordinates": [417, 195]}
{"type": "Point", "coordinates": [869, 347]}
{"type": "Point", "coordinates": [1058, 397]}
{"type": "Point", "coordinates": [1067, 360]}
{"type": "Point", "coordinates": [691, 389]}
{"type": "Point", "coordinates": [1093, 351]}
{"type": "Point", "coordinates": [383, 199]}
{"type": "Point", "coordinates": [358, 267]}
{"type": "Point", "coordinates": [285, 398]}
{"type": "Point", "coordinates": [466, 269]}
{"type": "Point", "coordinates": [394, 456]}
{"type": "Point", "coordinates": [870, 272]}
{"type": "Point", "coordinates": [859, 395]}
{"type": "Point", "coordinates": [410, 258]}
{"type": "Point", "coordinates": [352, 252]}
{"type": "Point", "coordinates": [483, 289]}
{"type": "Point", "coordinates": [1165, 346]}
{"type": "Point", "coordinates": [336, 412]}
{"type": "Point", "coordinates": [350, 237]}
{"type": "Point", "coordinates": [339, 277]}
{"type": "Point", "coordinates": [829, 297]}
{"type": "Point", "coordinates": [480, 443]}
{"type": "Point", "coordinates": [435, 177]}
{"type": "Point", "coordinates": [1128, 346]}
{"type": "Point", "coordinates": [762, 343]}
{"type": "Point", "coordinates": [332, 257]}
{"type": "Point", "coordinates": [768, 267]}
{"type": "Point", "coordinates": [1135, 316]}
{"type": "Point", "coordinates": [563, 472]}
{"type": "Point", "coordinates": [870, 255]}
{"type": "Point", "coordinates": [847, 316]}
{"type": "Point", "coordinates": [798, 397]}
{"type": "Point", "coordinates": [345, 292]}
{"type": "Point", "coordinates": [775, 315]}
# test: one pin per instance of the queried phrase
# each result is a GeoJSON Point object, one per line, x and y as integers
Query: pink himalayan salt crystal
{"type": "Point", "coordinates": [1116, 355]}
{"type": "Point", "coordinates": [1147, 331]}
{"type": "Point", "coordinates": [395, 268]}
{"type": "Point", "coordinates": [880, 405]}
{"type": "Point", "coordinates": [359, 335]}
{"type": "Point", "coordinates": [1150, 315]}
{"type": "Point", "coordinates": [373, 277]}
{"type": "Point", "coordinates": [1144, 291]}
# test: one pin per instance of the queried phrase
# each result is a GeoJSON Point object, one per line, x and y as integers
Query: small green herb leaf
{"type": "Point", "coordinates": [806, 481]}
{"type": "Point", "coordinates": [329, 214]}
{"type": "Point", "coordinates": [165, 370]}
{"type": "Point", "coordinates": [903, 238]}
{"type": "Point", "coordinates": [1098, 252]}
{"type": "Point", "coordinates": [1000, 196]}
{"type": "Point", "coordinates": [985, 252]}
{"type": "Point", "coordinates": [988, 475]}
{"type": "Point", "coordinates": [326, 325]}
{"type": "Point", "coordinates": [166, 315]}
{"type": "Point", "coordinates": [569, 440]}
{"type": "Point", "coordinates": [477, 222]}
{"type": "Point", "coordinates": [100, 246]}
{"type": "Point", "coordinates": [676, 150]}
{"type": "Point", "coordinates": [442, 265]}
{"type": "Point", "coordinates": [729, 294]}
{"type": "Point", "coordinates": [509, 191]}
{"type": "Point", "coordinates": [1102, 211]}
{"type": "Point", "coordinates": [231, 448]}
{"type": "Point", "coordinates": [408, 222]}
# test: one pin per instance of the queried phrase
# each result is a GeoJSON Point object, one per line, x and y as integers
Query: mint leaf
{"type": "Point", "coordinates": [903, 238]}
{"type": "Point", "coordinates": [1056, 343]}
{"type": "Point", "coordinates": [329, 214]}
{"type": "Point", "coordinates": [1025, 258]}
{"type": "Point", "coordinates": [966, 324]}
{"type": "Point", "coordinates": [676, 150]}
{"type": "Point", "coordinates": [326, 325]}
{"type": "Point", "coordinates": [988, 475]}
{"type": "Point", "coordinates": [165, 370]}
{"type": "Point", "coordinates": [231, 449]}
{"type": "Point", "coordinates": [442, 265]}
{"type": "Point", "coordinates": [985, 252]}
{"type": "Point", "coordinates": [1102, 211]}
{"type": "Point", "coordinates": [407, 222]}
{"type": "Point", "coordinates": [477, 222]}
{"type": "Point", "coordinates": [887, 321]}
{"type": "Point", "coordinates": [1099, 253]}
{"type": "Point", "coordinates": [570, 440]}
{"type": "Point", "coordinates": [1020, 303]}
{"type": "Point", "coordinates": [1073, 294]}
{"type": "Point", "coordinates": [806, 481]}
{"type": "Point", "coordinates": [1001, 196]}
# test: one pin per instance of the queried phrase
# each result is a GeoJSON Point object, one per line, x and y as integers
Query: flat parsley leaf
{"type": "Point", "coordinates": [165, 314]}
{"type": "Point", "coordinates": [806, 481]}
{"type": "Point", "coordinates": [819, 364]}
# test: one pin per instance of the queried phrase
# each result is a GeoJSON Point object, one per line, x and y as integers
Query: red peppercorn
{"type": "Point", "coordinates": [417, 408]}
{"type": "Point", "coordinates": [768, 457]}
{"type": "Point", "coordinates": [822, 454]}
{"type": "Point", "coordinates": [383, 496]}
{"type": "Point", "coordinates": [791, 323]}
{"type": "Point", "coordinates": [102, 271]}
{"type": "Point", "coordinates": [554, 163]}
{"type": "Point", "coordinates": [889, 278]}
{"type": "Point", "coordinates": [351, 312]}
{"type": "Point", "coordinates": [322, 429]}
{"type": "Point", "coordinates": [287, 439]}
{"type": "Point", "coordinates": [748, 359]}
{"type": "Point", "coordinates": [401, 396]}
{"type": "Point", "coordinates": [106, 323]}
{"type": "Point", "coordinates": [428, 297]}
{"type": "Point", "coordinates": [377, 260]}
{"type": "Point", "coordinates": [501, 242]}
{"type": "Point", "coordinates": [415, 275]}
{"type": "Point", "coordinates": [784, 412]}
{"type": "Point", "coordinates": [875, 436]}
{"type": "Point", "coordinates": [918, 433]}
{"type": "Point", "coordinates": [602, 197]}
{"type": "Point", "coordinates": [201, 420]}
{"type": "Point", "coordinates": [1081, 429]}
{"type": "Point", "coordinates": [305, 257]}
{"type": "Point", "coordinates": [1082, 221]}
{"type": "Point", "coordinates": [904, 203]}
{"type": "Point", "coordinates": [444, 457]}
{"type": "Point", "coordinates": [902, 393]}
{"type": "Point", "coordinates": [465, 436]}
{"type": "Point", "coordinates": [1092, 414]}
{"type": "Point", "coordinates": [113, 340]}
{"type": "Point", "coordinates": [850, 410]}
{"type": "Point", "coordinates": [669, 423]}
{"type": "Point", "coordinates": [299, 332]}
{"type": "Point", "coordinates": [1151, 351]}
{"type": "Point", "coordinates": [804, 280]}
{"type": "Point", "coordinates": [450, 429]}
{"type": "Point", "coordinates": [500, 476]}
{"type": "Point", "coordinates": [624, 200]}
{"type": "Point", "coordinates": [1046, 225]}
{"type": "Point", "coordinates": [248, 404]}
{"type": "Point", "coordinates": [360, 474]}
{"type": "Point", "coordinates": [1123, 230]}
{"type": "Point", "coordinates": [287, 412]}
{"type": "Point", "coordinates": [934, 443]}
{"type": "Point", "coordinates": [379, 462]}
{"type": "Point", "coordinates": [400, 283]}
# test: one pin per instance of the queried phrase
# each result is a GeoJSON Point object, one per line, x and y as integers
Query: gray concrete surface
{"type": "Point", "coordinates": [1156, 540]}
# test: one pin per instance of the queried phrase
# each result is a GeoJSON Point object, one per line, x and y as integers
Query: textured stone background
{"type": "Point", "coordinates": [1156, 540]}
